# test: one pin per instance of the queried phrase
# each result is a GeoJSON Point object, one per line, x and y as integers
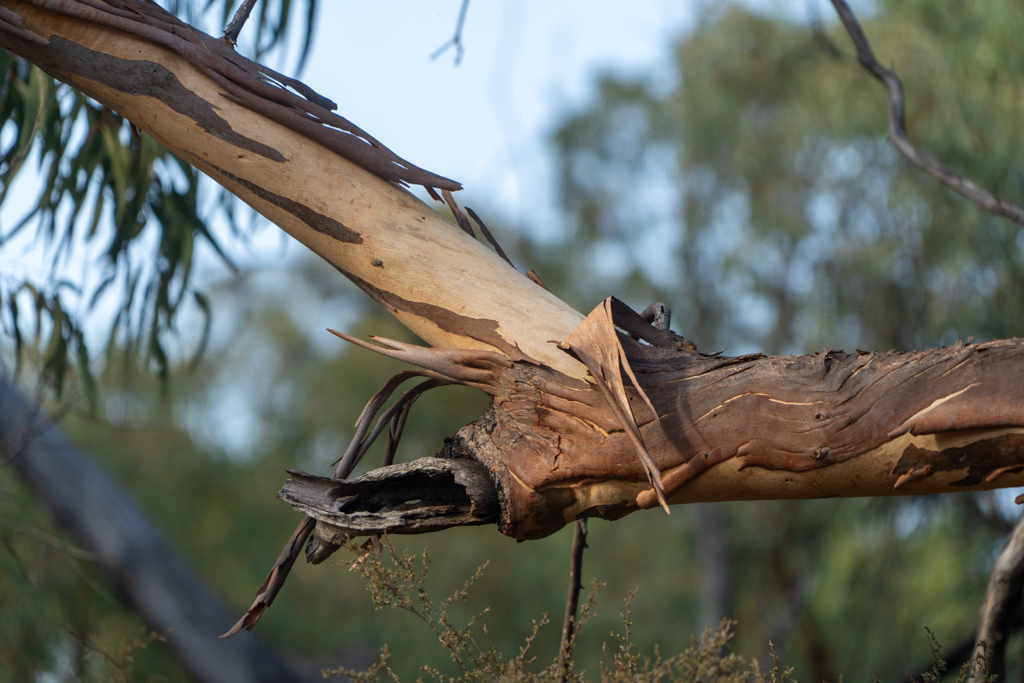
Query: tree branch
{"type": "Point", "coordinates": [149, 575]}
{"type": "Point", "coordinates": [1001, 613]}
{"type": "Point", "coordinates": [898, 134]}
{"type": "Point", "coordinates": [456, 40]}
{"type": "Point", "coordinates": [579, 544]}
{"type": "Point", "coordinates": [234, 27]}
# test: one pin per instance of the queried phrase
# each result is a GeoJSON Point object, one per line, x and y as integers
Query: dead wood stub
{"type": "Point", "coordinates": [429, 494]}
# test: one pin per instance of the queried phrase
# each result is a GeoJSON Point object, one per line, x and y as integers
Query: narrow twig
{"type": "Point", "coordinates": [898, 134]}
{"type": "Point", "coordinates": [456, 40]}
{"type": "Point", "coordinates": [1002, 609]}
{"type": "Point", "coordinates": [41, 535]}
{"type": "Point", "coordinates": [489, 237]}
{"type": "Point", "coordinates": [234, 27]}
{"type": "Point", "coordinates": [579, 542]}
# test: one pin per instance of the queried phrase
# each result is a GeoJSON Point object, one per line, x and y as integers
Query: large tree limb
{"type": "Point", "coordinates": [736, 428]}
{"type": "Point", "coordinates": [617, 416]}
{"type": "Point", "coordinates": [314, 174]}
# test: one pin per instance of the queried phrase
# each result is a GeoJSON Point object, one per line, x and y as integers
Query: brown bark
{"type": "Point", "coordinates": [617, 416]}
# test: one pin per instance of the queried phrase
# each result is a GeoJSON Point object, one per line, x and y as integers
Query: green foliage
{"type": "Point", "coordinates": [789, 221]}
{"type": "Point", "coordinates": [104, 183]}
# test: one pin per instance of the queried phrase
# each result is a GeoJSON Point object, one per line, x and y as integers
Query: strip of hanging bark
{"type": "Point", "coordinates": [426, 495]}
{"type": "Point", "coordinates": [319, 546]}
{"type": "Point", "coordinates": [251, 85]}
{"type": "Point", "coordinates": [596, 344]}
{"type": "Point", "coordinates": [275, 580]}
{"type": "Point", "coordinates": [489, 237]}
{"type": "Point", "coordinates": [460, 218]}
{"type": "Point", "coordinates": [898, 133]}
{"type": "Point", "coordinates": [1002, 611]}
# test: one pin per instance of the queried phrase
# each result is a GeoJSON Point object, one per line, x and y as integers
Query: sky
{"type": "Point", "coordinates": [485, 122]}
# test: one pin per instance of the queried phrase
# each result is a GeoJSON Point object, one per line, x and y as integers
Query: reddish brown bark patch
{"type": "Point", "coordinates": [325, 225]}
{"type": "Point", "coordinates": [998, 455]}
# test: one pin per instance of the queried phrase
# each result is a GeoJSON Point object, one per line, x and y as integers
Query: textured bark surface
{"type": "Point", "coordinates": [735, 428]}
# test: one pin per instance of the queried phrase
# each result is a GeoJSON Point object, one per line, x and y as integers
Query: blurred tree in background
{"type": "Point", "coordinates": [754, 192]}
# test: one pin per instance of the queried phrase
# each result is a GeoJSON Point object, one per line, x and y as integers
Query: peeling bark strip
{"type": "Point", "coordinates": [249, 84]}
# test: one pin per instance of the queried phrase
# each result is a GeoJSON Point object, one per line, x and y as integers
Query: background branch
{"type": "Point", "coordinates": [237, 22]}
{"type": "Point", "coordinates": [456, 40]}
{"type": "Point", "coordinates": [147, 572]}
{"type": "Point", "coordinates": [898, 133]}
{"type": "Point", "coordinates": [579, 543]}
{"type": "Point", "coordinates": [1001, 612]}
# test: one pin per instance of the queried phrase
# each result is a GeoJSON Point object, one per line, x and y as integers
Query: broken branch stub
{"type": "Point", "coordinates": [739, 428]}
{"type": "Point", "coordinates": [429, 494]}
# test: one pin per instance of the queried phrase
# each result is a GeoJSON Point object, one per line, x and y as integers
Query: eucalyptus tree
{"type": "Point", "coordinates": [591, 416]}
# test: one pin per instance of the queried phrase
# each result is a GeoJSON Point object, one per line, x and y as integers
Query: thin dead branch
{"type": "Point", "coordinates": [234, 27]}
{"type": "Point", "coordinates": [1001, 612]}
{"type": "Point", "coordinates": [898, 133]}
{"type": "Point", "coordinates": [579, 543]}
{"type": "Point", "coordinates": [456, 40]}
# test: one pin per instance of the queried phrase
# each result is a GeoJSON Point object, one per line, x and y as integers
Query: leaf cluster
{"type": "Point", "coordinates": [107, 189]}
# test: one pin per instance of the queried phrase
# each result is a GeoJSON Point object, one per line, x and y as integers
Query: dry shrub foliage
{"type": "Point", "coordinates": [117, 658]}
{"type": "Point", "coordinates": [399, 581]}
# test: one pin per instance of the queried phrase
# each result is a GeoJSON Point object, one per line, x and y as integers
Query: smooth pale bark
{"type": "Point", "coordinates": [449, 289]}
{"type": "Point", "coordinates": [600, 424]}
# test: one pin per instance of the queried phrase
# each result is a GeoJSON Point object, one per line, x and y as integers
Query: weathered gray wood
{"type": "Point", "coordinates": [429, 494]}
{"type": "Point", "coordinates": [147, 572]}
{"type": "Point", "coordinates": [1003, 611]}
